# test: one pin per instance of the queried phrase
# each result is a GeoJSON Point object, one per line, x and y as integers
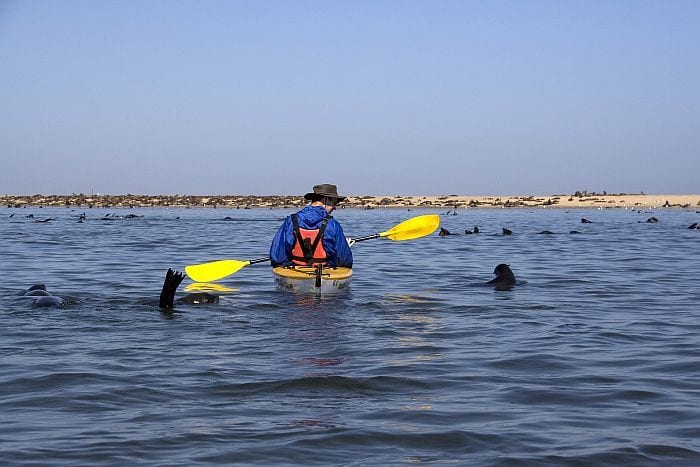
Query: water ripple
{"type": "Point", "coordinates": [591, 358]}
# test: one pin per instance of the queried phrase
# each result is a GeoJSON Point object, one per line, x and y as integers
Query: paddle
{"type": "Point", "coordinates": [415, 227]}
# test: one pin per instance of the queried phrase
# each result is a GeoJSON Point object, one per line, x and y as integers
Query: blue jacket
{"type": "Point", "coordinates": [334, 242]}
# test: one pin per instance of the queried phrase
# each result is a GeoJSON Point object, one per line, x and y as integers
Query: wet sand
{"type": "Point", "coordinates": [585, 200]}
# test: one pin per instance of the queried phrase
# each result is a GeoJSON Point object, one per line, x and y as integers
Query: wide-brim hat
{"type": "Point", "coordinates": [325, 189]}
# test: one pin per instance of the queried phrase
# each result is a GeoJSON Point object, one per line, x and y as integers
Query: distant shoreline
{"type": "Point", "coordinates": [585, 200]}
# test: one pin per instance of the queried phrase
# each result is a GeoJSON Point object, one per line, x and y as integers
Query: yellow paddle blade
{"type": "Point", "coordinates": [209, 272]}
{"type": "Point", "coordinates": [415, 227]}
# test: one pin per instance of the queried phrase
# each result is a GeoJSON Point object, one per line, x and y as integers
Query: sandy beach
{"type": "Point", "coordinates": [577, 200]}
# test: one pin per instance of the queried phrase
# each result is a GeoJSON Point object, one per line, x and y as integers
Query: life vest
{"type": "Point", "coordinates": [308, 245]}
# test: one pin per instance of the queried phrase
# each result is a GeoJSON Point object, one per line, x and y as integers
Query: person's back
{"type": "Point", "coordinates": [312, 236]}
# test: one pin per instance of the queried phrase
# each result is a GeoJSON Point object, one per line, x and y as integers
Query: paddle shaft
{"type": "Point", "coordinates": [259, 260]}
{"type": "Point", "coordinates": [368, 237]}
{"type": "Point", "coordinates": [361, 239]}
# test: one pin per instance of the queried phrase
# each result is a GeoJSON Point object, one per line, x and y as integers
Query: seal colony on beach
{"type": "Point", "coordinates": [453, 202]}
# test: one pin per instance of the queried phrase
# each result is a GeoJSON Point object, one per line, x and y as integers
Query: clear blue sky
{"type": "Point", "coordinates": [379, 97]}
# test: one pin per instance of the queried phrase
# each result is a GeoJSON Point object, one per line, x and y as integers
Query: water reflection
{"type": "Point", "coordinates": [416, 321]}
{"type": "Point", "coordinates": [209, 287]}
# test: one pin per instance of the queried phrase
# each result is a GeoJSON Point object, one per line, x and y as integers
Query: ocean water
{"type": "Point", "coordinates": [593, 358]}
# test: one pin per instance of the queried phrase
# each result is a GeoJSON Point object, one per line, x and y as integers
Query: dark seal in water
{"type": "Point", "coordinates": [42, 298]}
{"type": "Point", "coordinates": [504, 275]}
{"type": "Point", "coordinates": [170, 285]}
{"type": "Point", "coordinates": [445, 232]}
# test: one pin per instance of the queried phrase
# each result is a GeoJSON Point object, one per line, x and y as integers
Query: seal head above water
{"type": "Point", "coordinates": [504, 275]}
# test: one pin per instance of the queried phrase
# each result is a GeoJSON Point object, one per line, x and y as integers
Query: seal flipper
{"type": "Point", "coordinates": [170, 285]}
{"type": "Point", "coordinates": [35, 290]}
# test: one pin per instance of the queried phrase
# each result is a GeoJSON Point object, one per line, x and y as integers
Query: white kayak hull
{"type": "Point", "coordinates": [302, 279]}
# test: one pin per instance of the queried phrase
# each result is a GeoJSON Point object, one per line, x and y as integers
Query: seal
{"type": "Point", "coordinates": [171, 283]}
{"type": "Point", "coordinates": [444, 232]}
{"type": "Point", "coordinates": [585, 221]}
{"type": "Point", "coordinates": [42, 298]}
{"type": "Point", "coordinates": [48, 301]}
{"type": "Point", "coordinates": [504, 275]}
{"type": "Point", "coordinates": [694, 226]}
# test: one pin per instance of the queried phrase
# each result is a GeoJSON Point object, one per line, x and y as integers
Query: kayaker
{"type": "Point", "coordinates": [312, 236]}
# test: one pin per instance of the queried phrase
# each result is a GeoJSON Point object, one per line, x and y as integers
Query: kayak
{"type": "Point", "coordinates": [308, 279]}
